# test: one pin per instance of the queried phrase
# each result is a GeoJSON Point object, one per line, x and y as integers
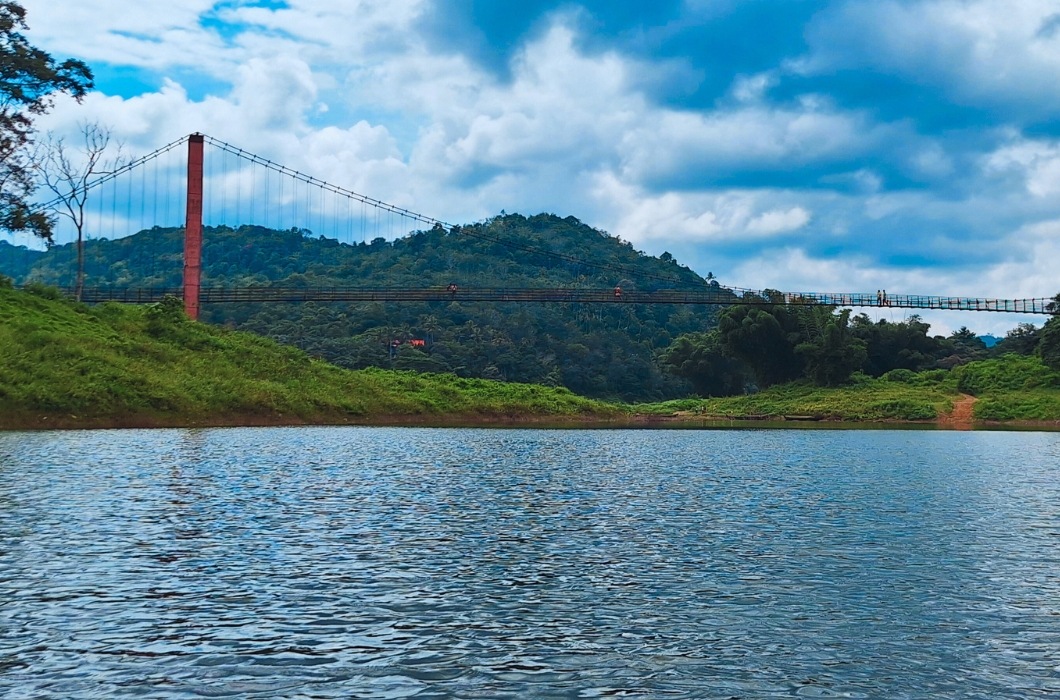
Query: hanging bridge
{"type": "Point", "coordinates": [722, 296]}
{"type": "Point", "coordinates": [176, 187]}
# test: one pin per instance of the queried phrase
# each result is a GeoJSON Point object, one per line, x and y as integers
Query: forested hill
{"type": "Point", "coordinates": [596, 351]}
{"type": "Point", "coordinates": [255, 255]}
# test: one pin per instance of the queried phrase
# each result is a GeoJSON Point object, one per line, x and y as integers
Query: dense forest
{"type": "Point", "coordinates": [599, 351]}
{"type": "Point", "coordinates": [777, 342]}
{"type": "Point", "coordinates": [624, 352]}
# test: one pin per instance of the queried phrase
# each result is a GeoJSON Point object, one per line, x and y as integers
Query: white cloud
{"type": "Point", "coordinates": [641, 217]}
{"type": "Point", "coordinates": [978, 51]}
{"type": "Point", "coordinates": [752, 88]}
{"type": "Point", "coordinates": [671, 142]}
{"type": "Point", "coordinates": [1035, 162]}
{"type": "Point", "coordinates": [129, 32]}
{"type": "Point", "coordinates": [563, 115]}
{"type": "Point", "coordinates": [187, 33]}
{"type": "Point", "coordinates": [779, 221]}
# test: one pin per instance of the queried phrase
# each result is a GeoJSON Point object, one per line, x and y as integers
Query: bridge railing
{"type": "Point", "coordinates": [709, 296]}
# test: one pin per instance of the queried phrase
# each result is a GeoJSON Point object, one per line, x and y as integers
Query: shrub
{"type": "Point", "coordinates": [859, 378]}
{"type": "Point", "coordinates": [902, 376]}
{"type": "Point", "coordinates": [43, 291]}
{"type": "Point", "coordinates": [165, 315]}
{"type": "Point", "coordinates": [6, 282]}
{"type": "Point", "coordinates": [932, 376]}
{"type": "Point", "coordinates": [903, 409]}
{"type": "Point", "coordinates": [1018, 406]}
{"type": "Point", "coordinates": [1049, 347]}
{"type": "Point", "coordinates": [1009, 373]}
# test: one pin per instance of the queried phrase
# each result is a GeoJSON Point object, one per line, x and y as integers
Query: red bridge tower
{"type": "Point", "coordinates": [193, 228]}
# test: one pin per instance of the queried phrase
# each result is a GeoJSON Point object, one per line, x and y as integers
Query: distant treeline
{"type": "Point", "coordinates": [754, 347]}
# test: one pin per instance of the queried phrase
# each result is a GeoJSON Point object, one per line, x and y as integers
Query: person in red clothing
{"type": "Point", "coordinates": [618, 292]}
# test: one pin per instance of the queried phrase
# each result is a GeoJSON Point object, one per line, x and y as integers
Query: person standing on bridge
{"type": "Point", "coordinates": [618, 292]}
{"type": "Point", "coordinates": [451, 289]}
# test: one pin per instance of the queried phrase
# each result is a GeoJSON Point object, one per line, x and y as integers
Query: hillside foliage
{"type": "Point", "coordinates": [598, 351]}
{"type": "Point", "coordinates": [784, 340]}
{"type": "Point", "coordinates": [73, 365]}
{"type": "Point", "coordinates": [1008, 388]}
{"type": "Point", "coordinates": [619, 352]}
{"type": "Point", "coordinates": [68, 363]}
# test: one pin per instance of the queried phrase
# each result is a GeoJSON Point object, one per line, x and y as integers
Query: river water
{"type": "Point", "coordinates": [437, 563]}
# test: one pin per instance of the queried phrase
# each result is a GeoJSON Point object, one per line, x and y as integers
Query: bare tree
{"type": "Point", "coordinates": [68, 172]}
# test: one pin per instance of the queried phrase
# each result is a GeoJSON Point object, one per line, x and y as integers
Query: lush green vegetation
{"type": "Point", "coordinates": [924, 397]}
{"type": "Point", "coordinates": [29, 80]}
{"type": "Point", "coordinates": [780, 358]}
{"type": "Point", "coordinates": [1012, 388]}
{"type": "Point", "coordinates": [1009, 388]}
{"type": "Point", "coordinates": [598, 351]}
{"type": "Point", "coordinates": [783, 341]}
{"type": "Point", "coordinates": [71, 364]}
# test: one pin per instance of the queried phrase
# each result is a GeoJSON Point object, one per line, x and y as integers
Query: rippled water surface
{"type": "Point", "coordinates": [379, 562]}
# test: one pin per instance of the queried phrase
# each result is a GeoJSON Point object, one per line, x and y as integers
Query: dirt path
{"type": "Point", "coordinates": [963, 415]}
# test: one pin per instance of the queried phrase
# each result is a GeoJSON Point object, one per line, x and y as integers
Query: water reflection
{"type": "Point", "coordinates": [359, 562]}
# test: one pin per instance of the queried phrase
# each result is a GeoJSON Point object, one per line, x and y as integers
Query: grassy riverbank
{"type": "Point", "coordinates": [71, 365]}
{"type": "Point", "coordinates": [1008, 389]}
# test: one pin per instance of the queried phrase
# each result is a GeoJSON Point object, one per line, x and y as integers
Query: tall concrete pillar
{"type": "Point", "coordinates": [193, 228]}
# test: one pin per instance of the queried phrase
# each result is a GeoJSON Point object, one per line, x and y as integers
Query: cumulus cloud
{"type": "Point", "coordinates": [130, 32]}
{"type": "Point", "coordinates": [718, 217]}
{"type": "Point", "coordinates": [1035, 162]}
{"type": "Point", "coordinates": [979, 52]}
{"type": "Point", "coordinates": [778, 221]}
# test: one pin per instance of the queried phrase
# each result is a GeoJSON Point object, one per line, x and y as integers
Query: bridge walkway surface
{"type": "Point", "coordinates": [721, 296]}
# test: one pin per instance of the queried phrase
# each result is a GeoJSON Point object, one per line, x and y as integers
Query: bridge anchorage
{"type": "Point", "coordinates": [284, 198]}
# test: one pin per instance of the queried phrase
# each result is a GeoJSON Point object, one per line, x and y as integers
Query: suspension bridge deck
{"type": "Point", "coordinates": [706, 297]}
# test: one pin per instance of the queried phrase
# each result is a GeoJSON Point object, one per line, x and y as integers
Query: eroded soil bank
{"type": "Point", "coordinates": [960, 419]}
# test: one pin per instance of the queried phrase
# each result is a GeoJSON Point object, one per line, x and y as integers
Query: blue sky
{"type": "Point", "coordinates": [800, 144]}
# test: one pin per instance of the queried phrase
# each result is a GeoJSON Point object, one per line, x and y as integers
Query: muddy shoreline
{"type": "Point", "coordinates": [679, 420]}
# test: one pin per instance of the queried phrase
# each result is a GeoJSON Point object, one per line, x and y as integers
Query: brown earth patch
{"type": "Point", "coordinates": [963, 415]}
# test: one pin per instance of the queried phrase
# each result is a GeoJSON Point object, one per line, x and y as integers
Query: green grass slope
{"type": "Point", "coordinates": [600, 351]}
{"type": "Point", "coordinates": [64, 364]}
{"type": "Point", "coordinates": [867, 400]}
{"type": "Point", "coordinates": [1008, 389]}
{"type": "Point", "coordinates": [67, 364]}
{"type": "Point", "coordinates": [1011, 388]}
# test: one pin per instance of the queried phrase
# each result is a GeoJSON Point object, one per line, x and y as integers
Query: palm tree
{"type": "Point", "coordinates": [431, 327]}
{"type": "Point", "coordinates": [473, 330]}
